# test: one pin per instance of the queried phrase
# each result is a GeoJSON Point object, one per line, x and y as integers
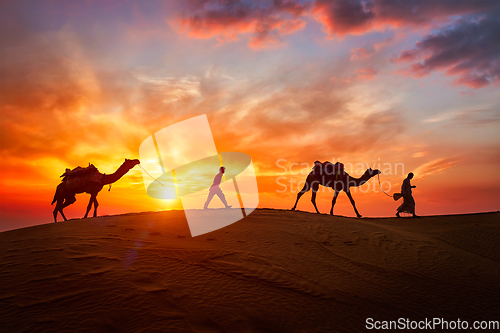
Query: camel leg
{"type": "Point", "coordinates": [315, 187]}
{"type": "Point", "coordinates": [60, 205]}
{"type": "Point", "coordinates": [66, 203]}
{"type": "Point", "coordinates": [63, 204]}
{"type": "Point", "coordinates": [334, 200]}
{"type": "Point", "coordinates": [301, 193]}
{"type": "Point", "coordinates": [95, 206]}
{"type": "Point", "coordinates": [57, 209]}
{"type": "Point", "coordinates": [306, 188]}
{"type": "Point", "coordinates": [91, 201]}
{"type": "Point", "coordinates": [353, 203]}
{"type": "Point", "coordinates": [62, 214]}
{"type": "Point", "coordinates": [59, 200]}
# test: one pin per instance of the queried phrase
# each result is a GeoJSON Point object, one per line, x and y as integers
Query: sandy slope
{"type": "Point", "coordinates": [275, 271]}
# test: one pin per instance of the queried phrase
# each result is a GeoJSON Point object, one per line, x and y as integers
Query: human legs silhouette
{"type": "Point", "coordinates": [221, 196]}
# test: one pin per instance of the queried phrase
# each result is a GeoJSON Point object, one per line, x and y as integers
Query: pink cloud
{"type": "Point", "coordinates": [467, 93]}
{"type": "Point", "coordinates": [264, 41]}
{"type": "Point", "coordinates": [367, 73]}
{"type": "Point", "coordinates": [359, 53]}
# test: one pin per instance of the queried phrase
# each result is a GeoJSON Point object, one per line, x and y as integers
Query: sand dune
{"type": "Point", "coordinates": [275, 271]}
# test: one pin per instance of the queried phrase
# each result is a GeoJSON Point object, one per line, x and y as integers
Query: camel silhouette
{"type": "Point", "coordinates": [342, 183]}
{"type": "Point", "coordinates": [90, 183]}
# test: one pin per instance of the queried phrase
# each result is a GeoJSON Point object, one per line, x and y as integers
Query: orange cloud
{"type": "Point", "coordinates": [435, 167]}
{"type": "Point", "coordinates": [206, 29]}
{"type": "Point", "coordinates": [419, 154]}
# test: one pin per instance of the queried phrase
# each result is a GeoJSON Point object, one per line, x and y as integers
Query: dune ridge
{"type": "Point", "coordinates": [274, 271]}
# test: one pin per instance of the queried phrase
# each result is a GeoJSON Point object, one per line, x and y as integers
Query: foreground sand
{"type": "Point", "coordinates": [275, 271]}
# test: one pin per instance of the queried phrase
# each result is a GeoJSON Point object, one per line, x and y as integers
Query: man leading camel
{"type": "Point", "coordinates": [408, 203]}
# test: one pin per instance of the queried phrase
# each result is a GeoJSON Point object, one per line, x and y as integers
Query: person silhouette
{"type": "Point", "coordinates": [408, 203]}
{"type": "Point", "coordinates": [215, 189]}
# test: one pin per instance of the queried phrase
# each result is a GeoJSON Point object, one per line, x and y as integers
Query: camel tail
{"type": "Point", "coordinates": [55, 195]}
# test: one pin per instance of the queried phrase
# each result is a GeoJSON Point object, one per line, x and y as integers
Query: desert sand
{"type": "Point", "coordinates": [274, 271]}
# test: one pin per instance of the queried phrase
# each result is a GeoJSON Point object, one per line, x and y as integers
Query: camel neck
{"type": "Point", "coordinates": [361, 180]}
{"type": "Point", "coordinates": [109, 179]}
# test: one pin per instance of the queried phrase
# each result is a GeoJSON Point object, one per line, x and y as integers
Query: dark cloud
{"type": "Point", "coordinates": [344, 16]}
{"type": "Point", "coordinates": [341, 17]}
{"type": "Point", "coordinates": [468, 48]}
{"type": "Point", "coordinates": [225, 20]}
{"type": "Point", "coordinates": [209, 18]}
{"type": "Point", "coordinates": [398, 12]}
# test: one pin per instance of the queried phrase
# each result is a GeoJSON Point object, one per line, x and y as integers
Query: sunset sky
{"type": "Point", "coordinates": [374, 83]}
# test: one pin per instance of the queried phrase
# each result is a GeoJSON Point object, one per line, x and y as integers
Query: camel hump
{"type": "Point", "coordinates": [79, 171]}
{"type": "Point", "coordinates": [328, 169]}
{"type": "Point", "coordinates": [83, 179]}
{"type": "Point", "coordinates": [334, 169]}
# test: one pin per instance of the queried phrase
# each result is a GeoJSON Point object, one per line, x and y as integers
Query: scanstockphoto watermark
{"type": "Point", "coordinates": [288, 177]}
{"type": "Point", "coordinates": [431, 324]}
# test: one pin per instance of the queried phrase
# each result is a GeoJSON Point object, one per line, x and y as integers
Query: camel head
{"type": "Point", "coordinates": [372, 173]}
{"type": "Point", "coordinates": [130, 163]}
